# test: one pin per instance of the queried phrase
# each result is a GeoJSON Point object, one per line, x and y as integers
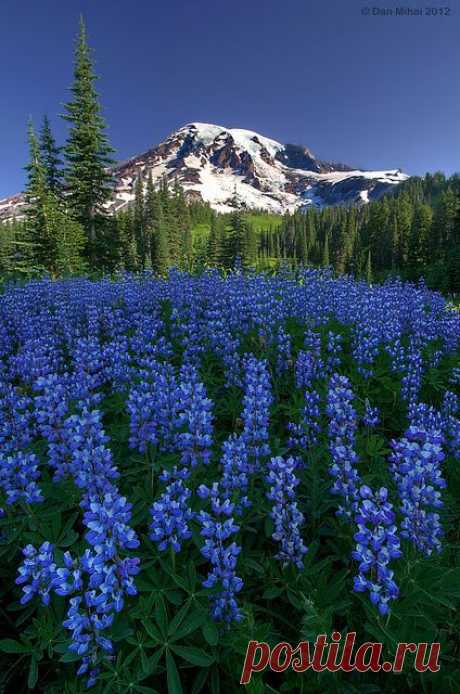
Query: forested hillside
{"type": "Point", "coordinates": [412, 231]}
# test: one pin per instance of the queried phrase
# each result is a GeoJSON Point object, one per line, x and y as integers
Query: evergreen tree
{"type": "Point", "coordinates": [404, 213]}
{"type": "Point", "coordinates": [126, 242]}
{"type": "Point", "coordinates": [369, 267]}
{"type": "Point", "coordinates": [213, 245]}
{"type": "Point", "coordinates": [419, 239]}
{"type": "Point", "coordinates": [9, 231]}
{"type": "Point", "coordinates": [325, 262]}
{"type": "Point", "coordinates": [151, 214]}
{"type": "Point", "coordinates": [139, 220]}
{"type": "Point", "coordinates": [70, 242]}
{"type": "Point", "coordinates": [50, 157]}
{"type": "Point", "coordinates": [250, 246]}
{"type": "Point", "coordinates": [301, 246]}
{"type": "Point", "coordinates": [35, 249]}
{"type": "Point", "coordinates": [453, 261]}
{"type": "Point", "coordinates": [162, 258]}
{"type": "Point", "coordinates": [87, 152]}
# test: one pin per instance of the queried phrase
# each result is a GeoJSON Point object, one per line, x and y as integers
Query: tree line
{"type": "Point", "coordinates": [413, 232]}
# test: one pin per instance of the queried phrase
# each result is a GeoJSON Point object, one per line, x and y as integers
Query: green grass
{"type": "Point", "coordinates": [261, 221]}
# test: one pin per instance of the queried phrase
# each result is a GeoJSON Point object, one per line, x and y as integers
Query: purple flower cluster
{"type": "Point", "coordinates": [333, 352]}
{"type": "Point", "coordinates": [37, 573]}
{"type": "Point", "coordinates": [304, 435]}
{"type": "Point", "coordinates": [236, 474]}
{"type": "Point", "coordinates": [371, 417]}
{"type": "Point", "coordinates": [285, 514]}
{"type": "Point", "coordinates": [377, 544]}
{"type": "Point", "coordinates": [171, 515]}
{"type": "Point", "coordinates": [153, 408]}
{"type": "Point", "coordinates": [137, 346]}
{"type": "Point", "coordinates": [449, 411]}
{"type": "Point", "coordinates": [412, 379]}
{"type": "Point", "coordinates": [342, 434]}
{"type": "Point", "coordinates": [17, 426]}
{"type": "Point", "coordinates": [194, 419]}
{"type": "Point", "coordinates": [257, 401]}
{"type": "Point", "coordinates": [222, 555]}
{"type": "Point", "coordinates": [415, 464]}
{"type": "Point", "coordinates": [19, 474]}
{"type": "Point", "coordinates": [99, 581]}
{"type": "Point", "coordinates": [308, 368]}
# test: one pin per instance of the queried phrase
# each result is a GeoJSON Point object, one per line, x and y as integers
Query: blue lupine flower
{"type": "Point", "coordinates": [283, 346]}
{"type": "Point", "coordinates": [18, 478]}
{"type": "Point", "coordinates": [377, 544]}
{"type": "Point", "coordinates": [285, 514]}
{"type": "Point", "coordinates": [304, 435]}
{"type": "Point", "coordinates": [412, 379]}
{"type": "Point", "coordinates": [194, 419]}
{"type": "Point", "coordinates": [222, 577]}
{"type": "Point", "coordinates": [450, 408]}
{"type": "Point", "coordinates": [333, 352]}
{"type": "Point", "coordinates": [107, 519]}
{"type": "Point", "coordinates": [236, 473]}
{"type": "Point", "coordinates": [68, 578]}
{"type": "Point", "coordinates": [17, 426]}
{"type": "Point", "coordinates": [170, 517]}
{"type": "Point", "coordinates": [342, 434]}
{"type": "Point", "coordinates": [371, 415]}
{"type": "Point", "coordinates": [37, 573]}
{"type": "Point", "coordinates": [415, 464]}
{"type": "Point", "coordinates": [308, 368]}
{"type": "Point", "coordinates": [257, 401]}
{"type": "Point", "coordinates": [51, 404]}
{"type": "Point", "coordinates": [153, 408]}
{"type": "Point", "coordinates": [84, 625]}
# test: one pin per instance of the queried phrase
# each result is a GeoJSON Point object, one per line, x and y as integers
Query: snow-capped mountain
{"type": "Point", "coordinates": [230, 167]}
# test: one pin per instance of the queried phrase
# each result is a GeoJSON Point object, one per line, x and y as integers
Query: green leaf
{"type": "Point", "coordinates": [161, 615]}
{"type": "Point", "coordinates": [173, 677]}
{"type": "Point", "coordinates": [152, 630]}
{"type": "Point", "coordinates": [273, 592]}
{"type": "Point", "coordinates": [177, 621]}
{"type": "Point", "coordinates": [194, 655]}
{"type": "Point", "coordinates": [70, 657]}
{"type": "Point", "coordinates": [11, 646]}
{"type": "Point", "coordinates": [192, 623]}
{"type": "Point", "coordinates": [200, 681]}
{"type": "Point", "coordinates": [33, 673]}
{"type": "Point", "coordinates": [151, 665]}
{"type": "Point", "coordinates": [210, 633]}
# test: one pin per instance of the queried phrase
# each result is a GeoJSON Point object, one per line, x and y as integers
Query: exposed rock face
{"type": "Point", "coordinates": [228, 167]}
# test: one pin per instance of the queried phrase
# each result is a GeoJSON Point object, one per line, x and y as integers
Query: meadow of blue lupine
{"type": "Point", "coordinates": [192, 462]}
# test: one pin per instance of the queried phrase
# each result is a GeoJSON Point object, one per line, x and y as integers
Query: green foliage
{"type": "Point", "coordinates": [87, 152]}
{"type": "Point", "coordinates": [50, 155]}
{"type": "Point", "coordinates": [165, 640]}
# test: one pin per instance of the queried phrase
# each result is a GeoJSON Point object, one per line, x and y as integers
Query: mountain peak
{"type": "Point", "coordinates": [213, 162]}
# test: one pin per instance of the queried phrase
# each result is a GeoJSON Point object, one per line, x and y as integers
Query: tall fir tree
{"type": "Point", "coordinates": [139, 219]}
{"type": "Point", "coordinates": [35, 248]}
{"type": "Point", "coordinates": [87, 151]}
{"type": "Point", "coordinates": [213, 245]}
{"type": "Point", "coordinates": [419, 239]}
{"type": "Point", "coordinates": [325, 261]}
{"type": "Point", "coordinates": [369, 267]}
{"type": "Point", "coordinates": [50, 155]}
{"type": "Point", "coordinates": [162, 257]}
{"type": "Point", "coordinates": [151, 212]}
{"type": "Point", "coordinates": [126, 242]}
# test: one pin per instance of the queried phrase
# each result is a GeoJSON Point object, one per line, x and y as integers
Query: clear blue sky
{"type": "Point", "coordinates": [372, 91]}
